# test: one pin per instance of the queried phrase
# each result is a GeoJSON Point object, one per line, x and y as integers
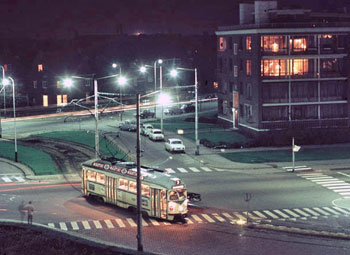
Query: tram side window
{"type": "Point", "coordinates": [100, 178]}
{"type": "Point", "coordinates": [123, 184]}
{"type": "Point", "coordinates": [91, 176]}
{"type": "Point", "coordinates": [145, 190]}
{"type": "Point", "coordinates": [173, 195]}
{"type": "Point", "coordinates": [132, 187]}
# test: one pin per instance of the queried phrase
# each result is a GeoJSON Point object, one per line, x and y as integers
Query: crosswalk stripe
{"type": "Point", "coordinates": [120, 223]}
{"type": "Point", "coordinates": [338, 187]}
{"type": "Point", "coordinates": [182, 170]}
{"type": "Point", "coordinates": [131, 222]}
{"type": "Point", "coordinates": [270, 214]}
{"type": "Point", "coordinates": [259, 214]}
{"type": "Point", "coordinates": [228, 216]}
{"type": "Point", "coordinates": [321, 211]}
{"type": "Point", "coordinates": [281, 213]}
{"type": "Point", "coordinates": [310, 175]}
{"type": "Point", "coordinates": [109, 224]}
{"type": "Point", "coordinates": [318, 178]}
{"type": "Point", "coordinates": [193, 169]}
{"type": "Point", "coordinates": [340, 209]}
{"type": "Point", "coordinates": [97, 224]}
{"type": "Point", "coordinates": [329, 182]}
{"type": "Point", "coordinates": [207, 217]}
{"type": "Point", "coordinates": [154, 222]}
{"type": "Point", "coordinates": [311, 212]}
{"type": "Point", "coordinates": [187, 220]}
{"type": "Point", "coordinates": [51, 225]}
{"type": "Point", "coordinates": [301, 212]}
{"type": "Point", "coordinates": [86, 224]}
{"type": "Point", "coordinates": [206, 169]}
{"type": "Point", "coordinates": [6, 179]}
{"type": "Point", "coordinates": [63, 226]}
{"type": "Point", "coordinates": [196, 218]}
{"type": "Point", "coordinates": [170, 171]}
{"type": "Point", "coordinates": [345, 193]}
{"type": "Point", "coordinates": [144, 223]}
{"type": "Point", "coordinates": [341, 190]}
{"type": "Point", "coordinates": [218, 217]}
{"type": "Point", "coordinates": [335, 184]}
{"type": "Point", "coordinates": [239, 216]}
{"type": "Point", "coordinates": [18, 178]}
{"type": "Point", "coordinates": [250, 215]}
{"type": "Point", "coordinates": [291, 213]}
{"type": "Point", "coordinates": [331, 210]}
{"type": "Point", "coordinates": [220, 170]}
{"type": "Point", "coordinates": [74, 225]}
{"type": "Point", "coordinates": [324, 180]}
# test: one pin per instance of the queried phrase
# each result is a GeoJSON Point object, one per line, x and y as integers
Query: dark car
{"type": "Point", "coordinates": [188, 108]}
{"type": "Point", "coordinates": [128, 125]}
{"type": "Point", "coordinates": [145, 114]}
{"type": "Point", "coordinates": [174, 110]}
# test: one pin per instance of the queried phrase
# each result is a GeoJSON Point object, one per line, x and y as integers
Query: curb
{"type": "Point", "coordinates": [301, 231]}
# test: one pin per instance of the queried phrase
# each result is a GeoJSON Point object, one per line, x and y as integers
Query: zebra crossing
{"type": "Point", "coordinates": [202, 218]}
{"type": "Point", "coordinates": [329, 182]}
{"type": "Point", "coordinates": [9, 178]}
{"type": "Point", "coordinates": [193, 170]}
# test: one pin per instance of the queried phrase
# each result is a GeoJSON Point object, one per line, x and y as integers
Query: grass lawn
{"type": "Point", "coordinates": [40, 162]}
{"type": "Point", "coordinates": [305, 154]}
{"type": "Point", "coordinates": [86, 138]}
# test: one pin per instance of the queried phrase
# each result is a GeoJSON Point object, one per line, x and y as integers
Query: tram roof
{"type": "Point", "coordinates": [129, 169]}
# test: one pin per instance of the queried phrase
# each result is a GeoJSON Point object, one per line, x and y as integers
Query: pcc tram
{"type": "Point", "coordinates": [163, 195]}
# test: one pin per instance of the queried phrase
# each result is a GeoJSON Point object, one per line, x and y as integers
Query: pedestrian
{"type": "Point", "coordinates": [30, 211]}
{"type": "Point", "coordinates": [21, 210]}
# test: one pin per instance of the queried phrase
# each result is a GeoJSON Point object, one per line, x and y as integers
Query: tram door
{"type": "Point", "coordinates": [155, 202]}
{"type": "Point", "coordinates": [84, 182]}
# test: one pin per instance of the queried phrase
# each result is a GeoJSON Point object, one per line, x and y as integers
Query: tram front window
{"type": "Point", "coordinates": [176, 195]}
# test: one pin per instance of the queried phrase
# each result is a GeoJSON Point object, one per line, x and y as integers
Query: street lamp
{"type": "Point", "coordinates": [174, 73]}
{"type": "Point", "coordinates": [6, 82]}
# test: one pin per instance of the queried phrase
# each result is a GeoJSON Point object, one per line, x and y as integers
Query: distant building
{"type": "Point", "coordinates": [284, 68]}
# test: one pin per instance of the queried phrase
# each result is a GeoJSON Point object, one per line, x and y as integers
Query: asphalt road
{"type": "Point", "coordinates": [276, 196]}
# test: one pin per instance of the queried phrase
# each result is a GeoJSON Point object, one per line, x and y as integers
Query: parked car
{"type": "Point", "coordinates": [174, 110]}
{"type": "Point", "coordinates": [145, 114]}
{"type": "Point", "coordinates": [128, 125]}
{"type": "Point", "coordinates": [146, 129]}
{"type": "Point", "coordinates": [188, 108]}
{"type": "Point", "coordinates": [156, 135]}
{"type": "Point", "coordinates": [174, 145]}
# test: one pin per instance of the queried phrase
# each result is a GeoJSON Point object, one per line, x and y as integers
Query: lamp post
{"type": "Point", "coordinates": [174, 73]}
{"type": "Point", "coordinates": [5, 83]}
{"type": "Point", "coordinates": [3, 78]}
{"type": "Point", "coordinates": [121, 82]}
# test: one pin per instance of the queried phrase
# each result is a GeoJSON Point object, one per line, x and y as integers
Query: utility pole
{"type": "Point", "coordinates": [138, 176]}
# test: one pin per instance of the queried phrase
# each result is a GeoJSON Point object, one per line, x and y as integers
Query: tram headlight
{"type": "Point", "coordinates": [171, 206]}
{"type": "Point", "coordinates": [181, 208]}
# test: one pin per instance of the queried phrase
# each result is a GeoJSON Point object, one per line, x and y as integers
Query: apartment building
{"type": "Point", "coordinates": [284, 68]}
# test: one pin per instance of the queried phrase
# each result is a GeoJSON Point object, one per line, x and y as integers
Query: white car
{"type": "Point", "coordinates": [156, 135]}
{"type": "Point", "coordinates": [174, 145]}
{"type": "Point", "coordinates": [146, 129]}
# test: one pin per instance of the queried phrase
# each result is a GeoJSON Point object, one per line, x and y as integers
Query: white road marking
{"type": "Point", "coordinates": [63, 226]}
{"type": "Point", "coordinates": [154, 222]}
{"type": "Point", "coordinates": [331, 210]}
{"type": "Point", "coordinates": [97, 224]}
{"type": "Point", "coordinates": [270, 214]}
{"type": "Point", "coordinates": [340, 209]}
{"type": "Point", "coordinates": [281, 213]}
{"type": "Point", "coordinates": [193, 169]}
{"type": "Point", "coordinates": [109, 224]}
{"type": "Point", "coordinates": [170, 171]}
{"type": "Point", "coordinates": [51, 225]}
{"type": "Point", "coordinates": [144, 223]}
{"type": "Point", "coordinates": [321, 211]}
{"type": "Point", "coordinates": [86, 224]}
{"type": "Point", "coordinates": [338, 187]}
{"type": "Point", "coordinates": [220, 170]}
{"type": "Point", "coordinates": [74, 225]}
{"type": "Point", "coordinates": [324, 180]}
{"type": "Point", "coordinates": [20, 179]}
{"type": "Point", "coordinates": [196, 218]}
{"type": "Point", "coordinates": [328, 182]}
{"type": "Point", "coordinates": [131, 222]}
{"type": "Point", "coordinates": [218, 217]}
{"type": "Point", "coordinates": [259, 214]}
{"type": "Point", "coordinates": [291, 213]}
{"type": "Point", "coordinates": [335, 184]}
{"type": "Point", "coordinates": [341, 190]}
{"type": "Point", "coordinates": [182, 170]}
{"type": "Point", "coordinates": [206, 169]}
{"type": "Point", "coordinates": [207, 217]}
{"type": "Point", "coordinates": [120, 223]}
{"type": "Point", "coordinates": [343, 174]}
{"type": "Point", "coordinates": [311, 212]}
{"type": "Point", "coordinates": [6, 179]}
{"type": "Point", "coordinates": [301, 212]}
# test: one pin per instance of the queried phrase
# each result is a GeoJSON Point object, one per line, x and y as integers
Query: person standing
{"type": "Point", "coordinates": [21, 210]}
{"type": "Point", "coordinates": [30, 211]}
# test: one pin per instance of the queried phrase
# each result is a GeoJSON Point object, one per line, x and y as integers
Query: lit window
{"type": "Point", "coordinates": [216, 84]}
{"type": "Point", "coordinates": [274, 67]}
{"type": "Point", "coordinates": [145, 190]}
{"type": "Point", "coordinates": [327, 36]}
{"type": "Point", "coordinates": [100, 178]}
{"type": "Point", "coordinates": [222, 44]}
{"type": "Point", "coordinates": [248, 43]}
{"type": "Point", "coordinates": [123, 184]}
{"type": "Point", "coordinates": [59, 99]}
{"type": "Point", "coordinates": [64, 99]}
{"type": "Point", "coordinates": [298, 44]}
{"type": "Point", "coordinates": [91, 176]}
{"type": "Point", "coordinates": [300, 66]}
{"type": "Point", "coordinates": [249, 67]}
{"type": "Point", "coordinates": [40, 68]}
{"type": "Point", "coordinates": [273, 43]}
{"type": "Point", "coordinates": [132, 187]}
{"type": "Point", "coordinates": [45, 100]}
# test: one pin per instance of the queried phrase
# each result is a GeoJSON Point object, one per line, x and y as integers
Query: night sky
{"type": "Point", "coordinates": [62, 18]}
